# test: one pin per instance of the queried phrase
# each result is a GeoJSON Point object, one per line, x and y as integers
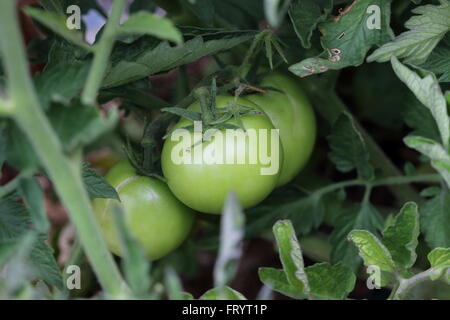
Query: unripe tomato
{"type": "Point", "coordinates": [205, 184]}
{"type": "Point", "coordinates": [291, 113]}
{"type": "Point", "coordinates": [154, 217]}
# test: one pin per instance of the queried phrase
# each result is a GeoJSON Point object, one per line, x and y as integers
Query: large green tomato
{"type": "Point", "coordinates": [291, 113]}
{"type": "Point", "coordinates": [154, 217]}
{"type": "Point", "coordinates": [204, 184]}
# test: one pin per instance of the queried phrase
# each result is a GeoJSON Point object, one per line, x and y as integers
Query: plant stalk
{"type": "Point", "coordinates": [102, 52]}
{"type": "Point", "coordinates": [65, 175]}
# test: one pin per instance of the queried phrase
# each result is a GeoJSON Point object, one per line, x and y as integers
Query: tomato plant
{"type": "Point", "coordinates": [155, 218]}
{"type": "Point", "coordinates": [316, 133]}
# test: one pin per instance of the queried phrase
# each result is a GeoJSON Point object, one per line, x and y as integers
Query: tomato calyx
{"type": "Point", "coordinates": [212, 117]}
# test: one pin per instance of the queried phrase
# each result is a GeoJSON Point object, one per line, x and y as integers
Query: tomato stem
{"type": "Point", "coordinates": [65, 174]}
{"type": "Point", "coordinates": [102, 52]}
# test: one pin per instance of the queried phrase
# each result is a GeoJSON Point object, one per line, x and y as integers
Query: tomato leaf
{"type": "Point", "coordinates": [363, 217]}
{"type": "Point", "coordinates": [291, 255]}
{"type": "Point", "coordinates": [440, 260]}
{"type": "Point", "coordinates": [348, 149]}
{"type": "Point", "coordinates": [34, 201]}
{"type": "Point", "coordinates": [435, 219]}
{"type": "Point", "coordinates": [439, 60]}
{"type": "Point", "coordinates": [61, 83]}
{"type": "Point", "coordinates": [347, 38]}
{"type": "Point", "coordinates": [96, 185]}
{"type": "Point", "coordinates": [224, 293]}
{"type": "Point", "coordinates": [428, 91]}
{"type": "Point", "coordinates": [372, 250]}
{"type": "Point", "coordinates": [57, 23]}
{"type": "Point", "coordinates": [35, 254]}
{"type": "Point", "coordinates": [330, 282]}
{"type": "Point", "coordinates": [276, 279]}
{"type": "Point", "coordinates": [401, 237]}
{"type": "Point", "coordinates": [78, 124]}
{"type": "Point", "coordinates": [148, 55]}
{"type": "Point", "coordinates": [426, 29]}
{"type": "Point", "coordinates": [147, 23]}
{"type": "Point", "coordinates": [306, 15]}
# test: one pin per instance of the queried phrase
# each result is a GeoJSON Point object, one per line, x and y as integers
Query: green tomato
{"type": "Point", "coordinates": [204, 185]}
{"type": "Point", "coordinates": [291, 113]}
{"type": "Point", "coordinates": [154, 217]}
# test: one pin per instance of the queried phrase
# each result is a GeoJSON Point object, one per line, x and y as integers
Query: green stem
{"type": "Point", "coordinates": [406, 285]}
{"type": "Point", "coordinates": [243, 67]}
{"type": "Point", "coordinates": [102, 52]}
{"type": "Point", "coordinates": [330, 106]}
{"type": "Point", "coordinates": [65, 176]}
{"type": "Point", "coordinates": [388, 181]}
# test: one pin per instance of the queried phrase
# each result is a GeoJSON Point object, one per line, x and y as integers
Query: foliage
{"type": "Point", "coordinates": [377, 73]}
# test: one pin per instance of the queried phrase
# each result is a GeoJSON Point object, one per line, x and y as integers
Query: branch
{"type": "Point", "coordinates": [66, 178]}
{"type": "Point", "coordinates": [102, 52]}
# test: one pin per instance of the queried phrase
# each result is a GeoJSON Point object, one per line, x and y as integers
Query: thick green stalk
{"type": "Point", "coordinates": [102, 52]}
{"type": "Point", "coordinates": [65, 175]}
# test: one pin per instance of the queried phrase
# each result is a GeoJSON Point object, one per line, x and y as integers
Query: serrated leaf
{"type": "Point", "coordinates": [421, 120]}
{"type": "Point", "coordinates": [429, 93]}
{"type": "Point", "coordinates": [78, 124]}
{"type": "Point", "coordinates": [305, 16]}
{"type": "Point", "coordinates": [276, 280]}
{"type": "Point", "coordinates": [148, 55]}
{"type": "Point", "coordinates": [428, 147]}
{"type": "Point", "coordinates": [15, 223]}
{"type": "Point", "coordinates": [291, 255]}
{"type": "Point", "coordinates": [440, 260]}
{"type": "Point", "coordinates": [363, 216]}
{"type": "Point", "coordinates": [401, 237]}
{"type": "Point", "coordinates": [305, 213]}
{"type": "Point", "coordinates": [231, 235]}
{"type": "Point", "coordinates": [439, 60]}
{"type": "Point", "coordinates": [430, 192]}
{"type": "Point", "coordinates": [57, 23]}
{"type": "Point", "coordinates": [443, 167]}
{"type": "Point", "coordinates": [426, 29]}
{"type": "Point", "coordinates": [190, 115]}
{"type": "Point", "coordinates": [435, 219]}
{"type": "Point", "coordinates": [96, 185]}
{"type": "Point", "coordinates": [151, 24]}
{"type": "Point", "coordinates": [61, 82]}
{"type": "Point", "coordinates": [330, 282]}
{"type": "Point", "coordinates": [43, 263]}
{"type": "Point", "coordinates": [34, 200]}
{"type": "Point", "coordinates": [16, 145]}
{"type": "Point", "coordinates": [372, 250]}
{"type": "Point", "coordinates": [225, 293]}
{"type": "Point", "coordinates": [348, 149]}
{"type": "Point", "coordinates": [347, 38]}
